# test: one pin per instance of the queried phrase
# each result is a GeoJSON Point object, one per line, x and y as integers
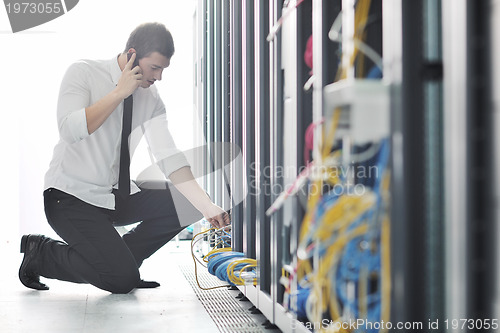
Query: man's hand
{"type": "Point", "coordinates": [216, 216]}
{"type": "Point", "coordinates": [130, 80]}
{"type": "Point", "coordinates": [98, 112]}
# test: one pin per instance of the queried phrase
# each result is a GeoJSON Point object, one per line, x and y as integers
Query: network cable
{"type": "Point", "coordinates": [223, 262]}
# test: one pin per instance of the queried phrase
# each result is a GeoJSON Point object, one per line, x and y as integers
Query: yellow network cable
{"type": "Point", "coordinates": [237, 279]}
{"type": "Point", "coordinates": [330, 259]}
{"type": "Point", "coordinates": [386, 271]}
{"type": "Point", "coordinates": [254, 280]}
{"type": "Point", "coordinates": [332, 172]}
{"type": "Point", "coordinates": [304, 268]}
{"type": "Point", "coordinates": [330, 136]}
{"type": "Point", "coordinates": [361, 15]}
{"type": "Point", "coordinates": [337, 219]}
{"type": "Point", "coordinates": [194, 260]}
{"type": "Point", "coordinates": [346, 210]}
{"type": "Point", "coordinates": [360, 19]}
{"type": "Point", "coordinates": [317, 183]}
{"type": "Point", "coordinates": [216, 250]}
{"type": "Point", "coordinates": [316, 194]}
{"type": "Point", "coordinates": [234, 278]}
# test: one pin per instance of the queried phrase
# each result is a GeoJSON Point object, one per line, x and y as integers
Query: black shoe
{"type": "Point", "coordinates": [147, 284]}
{"type": "Point", "coordinates": [30, 246]}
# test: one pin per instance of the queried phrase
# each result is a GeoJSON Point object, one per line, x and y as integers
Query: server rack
{"type": "Point", "coordinates": [495, 95]}
{"type": "Point", "coordinates": [432, 123]}
{"type": "Point", "coordinates": [420, 231]}
{"type": "Point", "coordinates": [248, 101]}
{"type": "Point", "coordinates": [236, 130]}
{"type": "Point", "coordinates": [470, 215]}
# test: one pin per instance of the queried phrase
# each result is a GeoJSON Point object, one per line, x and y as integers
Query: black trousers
{"type": "Point", "coordinates": [93, 251]}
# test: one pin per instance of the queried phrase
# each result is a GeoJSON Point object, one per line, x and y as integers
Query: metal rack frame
{"type": "Point", "coordinates": [433, 118]}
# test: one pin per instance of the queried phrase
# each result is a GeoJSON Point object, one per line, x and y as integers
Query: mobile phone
{"type": "Point", "coordinates": [136, 61]}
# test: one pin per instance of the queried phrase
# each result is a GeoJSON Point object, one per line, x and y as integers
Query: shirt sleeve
{"type": "Point", "coordinates": [161, 142]}
{"type": "Point", "coordinates": [74, 97]}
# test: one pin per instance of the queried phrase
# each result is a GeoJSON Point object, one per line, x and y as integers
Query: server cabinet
{"type": "Point", "coordinates": [383, 75]}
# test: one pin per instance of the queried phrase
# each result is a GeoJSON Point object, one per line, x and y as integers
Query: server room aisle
{"type": "Point", "coordinates": [67, 307]}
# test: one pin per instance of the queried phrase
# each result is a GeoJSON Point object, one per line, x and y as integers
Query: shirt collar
{"type": "Point", "coordinates": [115, 70]}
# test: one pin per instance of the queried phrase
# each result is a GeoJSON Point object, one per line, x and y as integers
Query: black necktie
{"type": "Point", "coordinates": [124, 176]}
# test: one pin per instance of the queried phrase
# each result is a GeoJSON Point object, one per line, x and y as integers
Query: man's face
{"type": "Point", "coordinates": [152, 68]}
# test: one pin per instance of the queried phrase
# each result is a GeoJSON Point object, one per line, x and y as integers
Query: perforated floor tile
{"type": "Point", "coordinates": [221, 304]}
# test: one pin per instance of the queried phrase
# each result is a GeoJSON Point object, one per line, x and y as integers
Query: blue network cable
{"type": "Point", "coordinates": [362, 253]}
{"type": "Point", "coordinates": [218, 264]}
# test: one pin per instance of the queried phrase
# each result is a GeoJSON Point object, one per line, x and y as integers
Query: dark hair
{"type": "Point", "coordinates": [151, 37]}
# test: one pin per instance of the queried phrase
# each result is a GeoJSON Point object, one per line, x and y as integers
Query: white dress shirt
{"type": "Point", "coordinates": [87, 166]}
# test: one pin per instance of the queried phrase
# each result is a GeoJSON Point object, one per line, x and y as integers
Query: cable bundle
{"type": "Point", "coordinates": [348, 236]}
{"type": "Point", "coordinates": [230, 267]}
{"type": "Point", "coordinates": [224, 263]}
{"type": "Point", "coordinates": [343, 269]}
{"type": "Point", "coordinates": [343, 257]}
{"type": "Point", "coordinates": [222, 259]}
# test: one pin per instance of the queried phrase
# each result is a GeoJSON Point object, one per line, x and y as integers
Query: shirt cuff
{"type": "Point", "coordinates": [173, 163]}
{"type": "Point", "coordinates": [74, 127]}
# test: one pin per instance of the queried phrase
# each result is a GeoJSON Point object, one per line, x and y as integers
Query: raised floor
{"type": "Point", "coordinates": [173, 307]}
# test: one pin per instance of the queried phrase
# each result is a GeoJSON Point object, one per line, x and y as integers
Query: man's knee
{"type": "Point", "coordinates": [124, 283]}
